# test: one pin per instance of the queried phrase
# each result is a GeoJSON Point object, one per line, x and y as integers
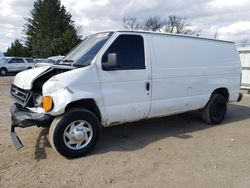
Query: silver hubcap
{"type": "Point", "coordinates": [77, 134]}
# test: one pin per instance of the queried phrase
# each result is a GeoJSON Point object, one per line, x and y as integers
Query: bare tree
{"type": "Point", "coordinates": [131, 23]}
{"type": "Point", "coordinates": [216, 34]}
{"type": "Point", "coordinates": [179, 25]}
{"type": "Point", "coordinates": [174, 24]}
{"type": "Point", "coordinates": [244, 43]}
{"type": "Point", "coordinates": [154, 24]}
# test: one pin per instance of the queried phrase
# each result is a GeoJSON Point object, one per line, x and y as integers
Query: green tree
{"type": "Point", "coordinates": [49, 29]}
{"type": "Point", "coordinates": [65, 43]}
{"type": "Point", "coordinates": [17, 49]}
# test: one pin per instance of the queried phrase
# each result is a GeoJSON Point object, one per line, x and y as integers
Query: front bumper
{"type": "Point", "coordinates": [25, 118]}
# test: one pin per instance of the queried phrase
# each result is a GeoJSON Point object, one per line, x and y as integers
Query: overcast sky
{"type": "Point", "coordinates": [231, 18]}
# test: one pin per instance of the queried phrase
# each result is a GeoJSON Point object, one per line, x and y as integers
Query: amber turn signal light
{"type": "Point", "coordinates": [47, 103]}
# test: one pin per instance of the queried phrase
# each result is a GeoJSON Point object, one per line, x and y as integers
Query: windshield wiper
{"type": "Point", "coordinates": [81, 65]}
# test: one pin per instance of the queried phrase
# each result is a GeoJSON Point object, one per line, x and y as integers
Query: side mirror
{"type": "Point", "coordinates": [112, 63]}
{"type": "Point", "coordinates": [112, 60]}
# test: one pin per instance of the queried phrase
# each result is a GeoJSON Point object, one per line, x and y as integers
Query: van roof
{"type": "Point", "coordinates": [171, 34]}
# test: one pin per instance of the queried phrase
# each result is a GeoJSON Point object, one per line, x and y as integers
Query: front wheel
{"type": "Point", "coordinates": [3, 71]}
{"type": "Point", "coordinates": [75, 133]}
{"type": "Point", "coordinates": [215, 110]}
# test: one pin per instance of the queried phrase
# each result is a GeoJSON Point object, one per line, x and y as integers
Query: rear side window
{"type": "Point", "coordinates": [17, 60]}
{"type": "Point", "coordinates": [129, 50]}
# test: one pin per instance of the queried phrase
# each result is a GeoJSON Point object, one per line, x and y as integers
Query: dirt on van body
{"type": "Point", "coordinates": [175, 151]}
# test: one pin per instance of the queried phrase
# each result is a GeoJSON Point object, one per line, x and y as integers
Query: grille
{"type": "Point", "coordinates": [21, 96]}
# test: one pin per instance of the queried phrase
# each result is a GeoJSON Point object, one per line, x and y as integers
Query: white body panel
{"type": "Point", "coordinates": [24, 79]}
{"type": "Point", "coordinates": [182, 72]}
{"type": "Point", "coordinates": [83, 84]}
{"type": "Point", "coordinates": [185, 71]}
{"type": "Point", "coordinates": [124, 91]}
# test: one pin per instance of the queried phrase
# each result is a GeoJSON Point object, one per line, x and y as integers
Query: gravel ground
{"type": "Point", "coordinates": [175, 151]}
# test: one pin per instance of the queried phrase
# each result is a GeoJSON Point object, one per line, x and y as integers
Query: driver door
{"type": "Point", "coordinates": [126, 88]}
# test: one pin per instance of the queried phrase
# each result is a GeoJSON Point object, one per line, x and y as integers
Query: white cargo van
{"type": "Point", "coordinates": [124, 76]}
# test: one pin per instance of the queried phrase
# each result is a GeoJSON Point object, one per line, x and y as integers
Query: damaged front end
{"type": "Point", "coordinates": [23, 118]}
{"type": "Point", "coordinates": [27, 110]}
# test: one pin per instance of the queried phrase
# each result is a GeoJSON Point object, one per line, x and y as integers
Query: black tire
{"type": "Point", "coordinates": [60, 124]}
{"type": "Point", "coordinates": [3, 72]}
{"type": "Point", "coordinates": [215, 110]}
{"type": "Point", "coordinates": [29, 68]}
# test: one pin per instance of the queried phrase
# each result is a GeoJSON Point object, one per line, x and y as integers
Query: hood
{"type": "Point", "coordinates": [26, 78]}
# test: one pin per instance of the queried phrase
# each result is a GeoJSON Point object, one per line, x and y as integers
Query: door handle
{"type": "Point", "coordinates": [147, 86]}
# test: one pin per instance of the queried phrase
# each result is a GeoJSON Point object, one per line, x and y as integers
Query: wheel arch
{"type": "Point", "coordinates": [221, 91]}
{"type": "Point", "coordinates": [4, 68]}
{"type": "Point", "coordinates": [88, 104]}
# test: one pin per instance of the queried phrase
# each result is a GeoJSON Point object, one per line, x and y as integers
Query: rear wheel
{"type": "Point", "coordinates": [3, 71]}
{"type": "Point", "coordinates": [75, 133]}
{"type": "Point", "coordinates": [215, 110]}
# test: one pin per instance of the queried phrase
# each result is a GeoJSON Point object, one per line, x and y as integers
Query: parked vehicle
{"type": "Point", "coordinates": [125, 76]}
{"type": "Point", "coordinates": [45, 62]}
{"type": "Point", "coordinates": [38, 60]}
{"type": "Point", "coordinates": [245, 65]}
{"type": "Point", "coordinates": [1, 54]}
{"type": "Point", "coordinates": [15, 64]}
{"type": "Point", "coordinates": [57, 59]}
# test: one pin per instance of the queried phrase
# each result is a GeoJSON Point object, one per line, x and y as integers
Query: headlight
{"type": "Point", "coordinates": [47, 103]}
{"type": "Point", "coordinates": [37, 99]}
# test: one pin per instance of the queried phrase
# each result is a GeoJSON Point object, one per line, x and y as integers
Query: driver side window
{"type": "Point", "coordinates": [129, 50]}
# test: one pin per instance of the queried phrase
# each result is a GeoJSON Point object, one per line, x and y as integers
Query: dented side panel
{"type": "Point", "coordinates": [82, 83]}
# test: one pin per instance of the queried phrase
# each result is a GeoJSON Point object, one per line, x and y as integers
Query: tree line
{"type": "Point", "coordinates": [49, 30]}
{"type": "Point", "coordinates": [173, 24]}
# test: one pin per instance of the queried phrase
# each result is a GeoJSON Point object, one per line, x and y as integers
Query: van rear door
{"type": "Point", "coordinates": [126, 87]}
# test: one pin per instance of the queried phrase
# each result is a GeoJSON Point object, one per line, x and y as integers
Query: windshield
{"type": "Point", "coordinates": [84, 53]}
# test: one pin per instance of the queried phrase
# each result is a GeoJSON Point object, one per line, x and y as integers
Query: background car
{"type": "Point", "coordinates": [44, 62]}
{"type": "Point", "coordinates": [38, 60]}
{"type": "Point", "coordinates": [15, 64]}
{"type": "Point", "coordinates": [57, 58]}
